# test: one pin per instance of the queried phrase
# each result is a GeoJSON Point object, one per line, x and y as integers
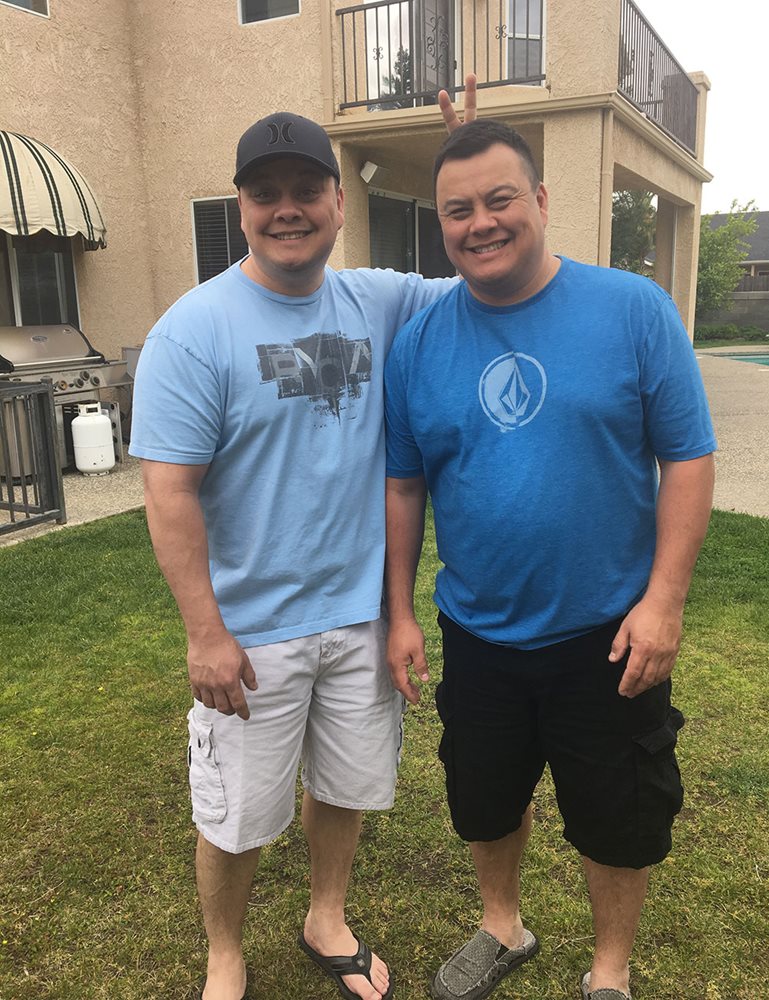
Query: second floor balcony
{"type": "Point", "coordinates": [399, 53]}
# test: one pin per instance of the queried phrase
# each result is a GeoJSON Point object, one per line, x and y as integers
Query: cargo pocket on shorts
{"type": "Point", "coordinates": [660, 792]}
{"type": "Point", "coordinates": [206, 786]}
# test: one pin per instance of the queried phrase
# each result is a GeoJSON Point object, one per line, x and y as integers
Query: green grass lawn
{"type": "Point", "coordinates": [96, 886]}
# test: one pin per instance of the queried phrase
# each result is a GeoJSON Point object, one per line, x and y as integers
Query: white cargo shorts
{"type": "Point", "coordinates": [324, 698]}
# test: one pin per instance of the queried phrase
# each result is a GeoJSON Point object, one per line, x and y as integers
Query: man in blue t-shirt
{"type": "Point", "coordinates": [258, 414]}
{"type": "Point", "coordinates": [535, 402]}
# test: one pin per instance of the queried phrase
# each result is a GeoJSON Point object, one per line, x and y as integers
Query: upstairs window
{"type": "Point", "coordinates": [219, 240]}
{"type": "Point", "coordinates": [35, 6]}
{"type": "Point", "coordinates": [266, 10]}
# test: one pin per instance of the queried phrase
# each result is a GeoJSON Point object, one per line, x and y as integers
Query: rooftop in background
{"type": "Point", "coordinates": [759, 240]}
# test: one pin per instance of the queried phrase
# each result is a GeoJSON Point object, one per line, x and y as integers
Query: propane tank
{"type": "Point", "coordinates": [92, 440]}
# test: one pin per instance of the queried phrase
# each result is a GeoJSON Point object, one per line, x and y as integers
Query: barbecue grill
{"type": "Point", "coordinates": [78, 372]}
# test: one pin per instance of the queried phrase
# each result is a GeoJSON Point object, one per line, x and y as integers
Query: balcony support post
{"type": "Point", "coordinates": [573, 156]}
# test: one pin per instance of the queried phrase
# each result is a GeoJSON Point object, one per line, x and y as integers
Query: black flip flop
{"type": "Point", "coordinates": [336, 966]}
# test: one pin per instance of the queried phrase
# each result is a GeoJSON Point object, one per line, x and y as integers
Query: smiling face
{"type": "Point", "coordinates": [493, 222]}
{"type": "Point", "coordinates": [290, 213]}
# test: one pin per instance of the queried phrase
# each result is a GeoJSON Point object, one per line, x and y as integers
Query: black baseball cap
{"type": "Point", "coordinates": [284, 134]}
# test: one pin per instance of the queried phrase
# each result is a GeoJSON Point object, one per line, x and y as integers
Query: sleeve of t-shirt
{"type": "Point", "coordinates": [404, 460]}
{"type": "Point", "coordinates": [177, 403]}
{"type": "Point", "coordinates": [676, 413]}
{"type": "Point", "coordinates": [417, 293]}
{"type": "Point", "coordinates": [399, 297]}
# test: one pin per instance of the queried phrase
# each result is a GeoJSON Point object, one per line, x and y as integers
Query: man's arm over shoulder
{"type": "Point", "coordinates": [216, 661]}
{"type": "Point", "coordinates": [394, 296]}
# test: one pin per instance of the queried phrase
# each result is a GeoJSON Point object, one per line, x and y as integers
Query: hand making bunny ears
{"type": "Point", "coordinates": [450, 117]}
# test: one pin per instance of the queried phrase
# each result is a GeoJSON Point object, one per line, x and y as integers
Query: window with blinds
{"type": "Point", "coordinates": [37, 280]}
{"type": "Point", "coordinates": [265, 10]}
{"type": "Point", "coordinates": [219, 240]}
{"type": "Point", "coordinates": [391, 233]}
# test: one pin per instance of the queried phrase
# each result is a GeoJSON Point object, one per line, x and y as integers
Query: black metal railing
{"type": "Point", "coordinates": [30, 474]}
{"type": "Point", "coordinates": [653, 80]}
{"type": "Point", "coordinates": [400, 53]}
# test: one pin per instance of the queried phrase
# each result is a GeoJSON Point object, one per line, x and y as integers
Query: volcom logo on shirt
{"type": "Point", "coordinates": [324, 367]}
{"type": "Point", "coordinates": [512, 390]}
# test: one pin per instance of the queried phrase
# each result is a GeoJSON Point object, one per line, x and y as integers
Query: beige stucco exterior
{"type": "Point", "coordinates": [148, 100]}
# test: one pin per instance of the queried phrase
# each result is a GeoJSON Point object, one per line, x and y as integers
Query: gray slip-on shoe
{"type": "Point", "coordinates": [476, 968]}
{"type": "Point", "coordinates": [600, 994]}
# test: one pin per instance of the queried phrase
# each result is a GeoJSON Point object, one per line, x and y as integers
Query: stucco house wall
{"type": "Point", "coordinates": [148, 100]}
{"type": "Point", "coordinates": [68, 80]}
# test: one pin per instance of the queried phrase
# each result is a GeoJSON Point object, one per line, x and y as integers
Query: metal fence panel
{"type": "Point", "coordinates": [30, 474]}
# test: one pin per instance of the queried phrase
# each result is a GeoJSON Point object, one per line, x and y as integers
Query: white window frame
{"type": "Point", "coordinates": [37, 13]}
{"type": "Point", "coordinates": [541, 38]}
{"type": "Point", "coordinates": [264, 20]}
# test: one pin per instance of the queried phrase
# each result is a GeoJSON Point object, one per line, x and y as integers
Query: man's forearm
{"type": "Point", "coordinates": [178, 535]}
{"type": "Point", "coordinates": [683, 511]}
{"type": "Point", "coordinates": [216, 662]}
{"type": "Point", "coordinates": [405, 532]}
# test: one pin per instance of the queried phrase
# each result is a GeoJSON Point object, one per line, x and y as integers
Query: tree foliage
{"type": "Point", "coordinates": [399, 82]}
{"type": "Point", "coordinates": [633, 229]}
{"type": "Point", "coordinates": [721, 251]}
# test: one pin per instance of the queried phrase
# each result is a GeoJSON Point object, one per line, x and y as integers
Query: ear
{"type": "Point", "coordinates": [542, 201]}
{"type": "Point", "coordinates": [340, 206]}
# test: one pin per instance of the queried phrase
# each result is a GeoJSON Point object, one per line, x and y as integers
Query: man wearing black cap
{"type": "Point", "coordinates": [258, 414]}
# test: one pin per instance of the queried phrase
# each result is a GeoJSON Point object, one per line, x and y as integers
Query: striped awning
{"type": "Point", "coordinates": [39, 189]}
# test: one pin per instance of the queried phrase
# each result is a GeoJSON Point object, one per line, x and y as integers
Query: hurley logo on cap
{"type": "Point", "coordinates": [284, 133]}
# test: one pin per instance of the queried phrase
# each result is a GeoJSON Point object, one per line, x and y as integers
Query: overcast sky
{"type": "Point", "coordinates": [729, 42]}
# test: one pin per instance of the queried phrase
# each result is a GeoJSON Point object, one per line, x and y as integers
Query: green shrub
{"type": "Point", "coordinates": [730, 332]}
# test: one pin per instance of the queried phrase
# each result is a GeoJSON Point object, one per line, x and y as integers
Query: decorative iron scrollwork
{"type": "Point", "coordinates": [378, 53]}
{"type": "Point", "coordinates": [437, 44]}
{"type": "Point", "coordinates": [501, 31]}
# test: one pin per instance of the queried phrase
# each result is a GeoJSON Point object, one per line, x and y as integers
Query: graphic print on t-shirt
{"type": "Point", "coordinates": [512, 390]}
{"type": "Point", "coordinates": [324, 367]}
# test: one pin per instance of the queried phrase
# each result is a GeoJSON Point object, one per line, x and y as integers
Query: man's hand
{"type": "Point", "coordinates": [652, 630]}
{"type": "Point", "coordinates": [406, 649]}
{"type": "Point", "coordinates": [450, 117]}
{"type": "Point", "coordinates": [216, 666]}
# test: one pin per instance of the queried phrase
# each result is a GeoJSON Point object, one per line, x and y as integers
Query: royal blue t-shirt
{"type": "Point", "coordinates": [537, 427]}
{"type": "Point", "coordinates": [283, 397]}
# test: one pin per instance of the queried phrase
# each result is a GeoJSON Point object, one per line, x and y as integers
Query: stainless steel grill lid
{"type": "Point", "coordinates": [25, 347]}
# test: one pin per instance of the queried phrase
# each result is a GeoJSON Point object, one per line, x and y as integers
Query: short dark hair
{"type": "Point", "coordinates": [476, 137]}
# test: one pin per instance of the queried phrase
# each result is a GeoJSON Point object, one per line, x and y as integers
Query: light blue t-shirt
{"type": "Point", "coordinates": [536, 426]}
{"type": "Point", "coordinates": [283, 396]}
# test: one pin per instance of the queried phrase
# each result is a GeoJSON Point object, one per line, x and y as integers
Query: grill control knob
{"type": "Point", "coordinates": [61, 385]}
{"type": "Point", "coordinates": [78, 382]}
{"type": "Point", "coordinates": [95, 380]}
{"type": "Point", "coordinates": [85, 376]}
